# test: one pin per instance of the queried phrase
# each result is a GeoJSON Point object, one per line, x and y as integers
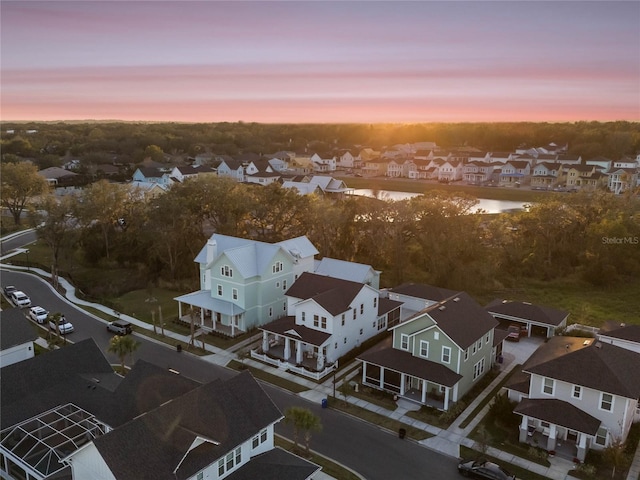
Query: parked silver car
{"type": "Point", "coordinates": [61, 324]}
{"type": "Point", "coordinates": [19, 299]}
{"type": "Point", "coordinates": [38, 314]}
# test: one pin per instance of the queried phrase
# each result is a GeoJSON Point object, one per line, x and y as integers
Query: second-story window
{"type": "Point", "coordinates": [576, 392]}
{"type": "Point", "coordinates": [361, 308]}
{"type": "Point", "coordinates": [343, 317]}
{"type": "Point", "coordinates": [316, 320]}
{"type": "Point", "coordinates": [606, 402]}
{"type": "Point", "coordinates": [219, 290]}
{"type": "Point", "coordinates": [226, 271]}
{"type": "Point", "coordinates": [323, 322]}
{"type": "Point", "coordinates": [404, 341]}
{"type": "Point", "coordinates": [277, 267]}
{"type": "Point", "coordinates": [234, 293]}
{"type": "Point", "coordinates": [446, 354]}
{"type": "Point", "coordinates": [547, 386]}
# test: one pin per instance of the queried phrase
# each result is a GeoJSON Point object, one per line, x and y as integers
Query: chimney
{"type": "Point", "coordinates": [212, 250]}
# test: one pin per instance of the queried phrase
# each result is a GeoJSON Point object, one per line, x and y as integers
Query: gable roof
{"type": "Point", "coordinates": [600, 366]}
{"type": "Point", "coordinates": [460, 318]}
{"type": "Point", "coordinates": [55, 173]}
{"type": "Point", "coordinates": [527, 311]}
{"type": "Point", "coordinates": [15, 329]}
{"type": "Point", "coordinates": [226, 413]}
{"type": "Point", "coordinates": [333, 294]}
{"type": "Point", "coordinates": [287, 327]}
{"type": "Point", "coordinates": [355, 272]}
{"type": "Point", "coordinates": [276, 464]}
{"type": "Point", "coordinates": [251, 257]}
{"type": "Point", "coordinates": [424, 291]}
{"type": "Point", "coordinates": [630, 333]}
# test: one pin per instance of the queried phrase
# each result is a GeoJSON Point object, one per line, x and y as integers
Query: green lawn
{"type": "Point", "coordinates": [268, 377]}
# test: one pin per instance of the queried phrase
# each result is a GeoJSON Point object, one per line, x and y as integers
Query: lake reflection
{"type": "Point", "coordinates": [488, 205]}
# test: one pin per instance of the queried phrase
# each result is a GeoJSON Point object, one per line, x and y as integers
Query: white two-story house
{"type": "Point", "coordinates": [580, 394]}
{"type": "Point", "coordinates": [327, 317]}
{"type": "Point", "coordinates": [243, 282]}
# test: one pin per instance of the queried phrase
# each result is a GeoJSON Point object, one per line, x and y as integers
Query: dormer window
{"type": "Point", "coordinates": [277, 267]}
{"type": "Point", "coordinates": [226, 271]}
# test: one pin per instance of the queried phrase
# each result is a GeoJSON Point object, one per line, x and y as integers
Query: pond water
{"type": "Point", "coordinates": [488, 205]}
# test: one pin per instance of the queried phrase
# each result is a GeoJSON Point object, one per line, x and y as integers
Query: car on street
{"type": "Point", "coordinates": [61, 324]}
{"type": "Point", "coordinates": [19, 298]}
{"type": "Point", "coordinates": [38, 314]}
{"type": "Point", "coordinates": [484, 469]}
{"type": "Point", "coordinates": [8, 289]}
{"type": "Point", "coordinates": [121, 327]}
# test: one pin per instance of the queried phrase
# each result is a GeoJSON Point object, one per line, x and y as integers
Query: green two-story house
{"type": "Point", "coordinates": [435, 356]}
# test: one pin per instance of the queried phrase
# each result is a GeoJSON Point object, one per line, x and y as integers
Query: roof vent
{"type": "Point", "coordinates": [623, 324]}
{"type": "Point", "coordinates": [442, 307]}
{"type": "Point", "coordinates": [598, 345]}
{"type": "Point", "coordinates": [457, 299]}
{"type": "Point", "coordinates": [505, 301]}
{"type": "Point", "coordinates": [586, 342]}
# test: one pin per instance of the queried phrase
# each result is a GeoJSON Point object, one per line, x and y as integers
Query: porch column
{"type": "Point", "coordinates": [265, 341]}
{"type": "Point", "coordinates": [402, 383]}
{"type": "Point", "coordinates": [364, 373]}
{"type": "Point", "coordinates": [582, 447]}
{"type": "Point", "coordinates": [551, 439]}
{"type": "Point", "coordinates": [287, 348]}
{"type": "Point", "coordinates": [298, 351]}
{"type": "Point", "coordinates": [214, 317]}
{"type": "Point", "coordinates": [202, 316]}
{"type": "Point", "coordinates": [381, 377]}
{"type": "Point", "coordinates": [424, 391]}
{"type": "Point", "coordinates": [179, 309]}
{"type": "Point", "coordinates": [524, 429]}
{"type": "Point", "coordinates": [446, 398]}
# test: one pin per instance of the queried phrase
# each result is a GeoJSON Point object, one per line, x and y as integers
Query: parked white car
{"type": "Point", "coordinates": [20, 299]}
{"type": "Point", "coordinates": [38, 314]}
{"type": "Point", "coordinates": [64, 326]}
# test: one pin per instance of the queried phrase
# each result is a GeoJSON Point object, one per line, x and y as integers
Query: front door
{"type": "Point", "coordinates": [572, 436]}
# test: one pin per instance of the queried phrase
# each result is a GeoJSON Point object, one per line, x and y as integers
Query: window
{"type": "Point", "coordinates": [284, 306]}
{"type": "Point", "coordinates": [436, 335]}
{"type": "Point", "coordinates": [361, 308]}
{"type": "Point", "coordinates": [277, 267]}
{"type": "Point", "coordinates": [344, 340]}
{"type": "Point", "coordinates": [576, 392]}
{"type": "Point", "coordinates": [404, 341]}
{"type": "Point", "coordinates": [277, 284]}
{"type": "Point", "coordinates": [200, 476]}
{"type": "Point", "coordinates": [381, 323]}
{"type": "Point", "coordinates": [424, 348]}
{"type": "Point", "coordinates": [303, 316]}
{"type": "Point", "coordinates": [446, 354]}
{"type": "Point", "coordinates": [601, 436]}
{"type": "Point", "coordinates": [219, 290]}
{"type": "Point", "coordinates": [259, 439]}
{"type": "Point", "coordinates": [486, 339]}
{"type": "Point", "coordinates": [316, 320]}
{"type": "Point", "coordinates": [466, 355]}
{"type": "Point", "coordinates": [478, 369]}
{"type": "Point", "coordinates": [225, 271]}
{"type": "Point", "coordinates": [479, 344]}
{"type": "Point", "coordinates": [234, 293]}
{"type": "Point", "coordinates": [547, 386]}
{"type": "Point", "coordinates": [606, 402]}
{"type": "Point", "coordinates": [323, 322]}
{"type": "Point", "coordinates": [343, 316]}
{"type": "Point", "coordinates": [284, 284]}
{"type": "Point", "coordinates": [270, 312]}
{"type": "Point", "coordinates": [475, 348]}
{"type": "Point", "coordinates": [361, 331]}
{"type": "Point", "coordinates": [335, 346]}
{"type": "Point", "coordinates": [355, 312]}
{"type": "Point", "coordinates": [375, 302]}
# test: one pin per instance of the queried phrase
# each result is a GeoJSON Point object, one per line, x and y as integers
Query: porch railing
{"type": "Point", "coordinates": [284, 365]}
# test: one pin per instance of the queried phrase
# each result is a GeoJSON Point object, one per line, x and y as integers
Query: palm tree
{"type": "Point", "coordinates": [305, 420]}
{"type": "Point", "coordinates": [123, 346]}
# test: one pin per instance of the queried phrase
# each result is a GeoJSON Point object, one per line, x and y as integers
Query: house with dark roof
{"type": "Point", "coordinates": [580, 394]}
{"type": "Point", "coordinates": [243, 282]}
{"type": "Point", "coordinates": [535, 319]}
{"type": "Point", "coordinates": [17, 335]}
{"type": "Point", "coordinates": [326, 318]}
{"type": "Point", "coordinates": [546, 175]}
{"type": "Point", "coordinates": [436, 356]}
{"type": "Point", "coordinates": [233, 168]}
{"type": "Point", "coordinates": [515, 172]}
{"type": "Point", "coordinates": [57, 176]}
{"type": "Point", "coordinates": [185, 172]}
{"type": "Point", "coordinates": [621, 334]}
{"type": "Point", "coordinates": [418, 296]}
{"type": "Point", "coordinates": [66, 414]}
{"type": "Point", "coordinates": [152, 175]}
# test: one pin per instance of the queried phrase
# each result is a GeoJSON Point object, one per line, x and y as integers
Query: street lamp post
{"type": "Point", "coordinates": [334, 380]}
{"type": "Point", "coordinates": [28, 265]}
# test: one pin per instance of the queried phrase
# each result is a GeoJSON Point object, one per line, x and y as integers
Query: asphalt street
{"type": "Point", "coordinates": [374, 453]}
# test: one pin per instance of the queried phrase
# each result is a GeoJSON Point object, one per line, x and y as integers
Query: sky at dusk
{"type": "Point", "coordinates": [321, 61]}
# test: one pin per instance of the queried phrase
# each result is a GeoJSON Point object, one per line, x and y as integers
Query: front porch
{"type": "Point", "coordinates": [566, 449]}
{"type": "Point", "coordinates": [208, 325]}
{"type": "Point", "coordinates": [211, 314]}
{"type": "Point", "coordinates": [408, 387]}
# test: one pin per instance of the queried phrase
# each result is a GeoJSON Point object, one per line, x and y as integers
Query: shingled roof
{"type": "Point", "coordinates": [600, 366]}
{"type": "Point", "coordinates": [559, 413]}
{"type": "Point", "coordinates": [424, 291]}
{"type": "Point", "coordinates": [333, 294]}
{"type": "Point", "coordinates": [460, 318]}
{"type": "Point", "coordinates": [15, 329]}
{"type": "Point", "coordinates": [527, 311]}
{"type": "Point", "coordinates": [225, 413]}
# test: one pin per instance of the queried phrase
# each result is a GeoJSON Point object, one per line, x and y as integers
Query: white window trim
{"type": "Point", "coordinates": [422, 343]}
{"type": "Point", "coordinates": [444, 349]}
{"type": "Point", "coordinates": [544, 384]}
{"type": "Point", "coordinates": [613, 399]}
{"type": "Point", "coordinates": [573, 391]}
{"type": "Point", "coordinates": [404, 336]}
